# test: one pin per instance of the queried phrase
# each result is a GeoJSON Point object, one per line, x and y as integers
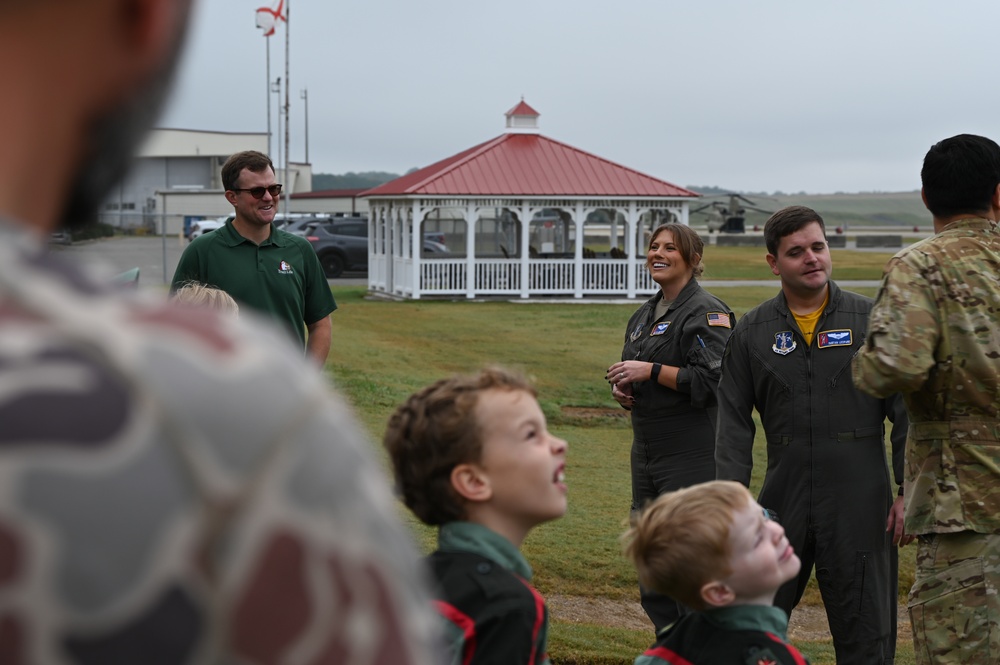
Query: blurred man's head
{"type": "Point", "coordinates": [960, 176]}
{"type": "Point", "coordinates": [117, 134]}
{"type": "Point", "coordinates": [95, 73]}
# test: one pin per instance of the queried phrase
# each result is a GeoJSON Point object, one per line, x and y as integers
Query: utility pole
{"type": "Point", "coordinates": [267, 40]}
{"type": "Point", "coordinates": [305, 99]}
{"type": "Point", "coordinates": [288, 117]}
{"type": "Point", "coordinates": [277, 89]}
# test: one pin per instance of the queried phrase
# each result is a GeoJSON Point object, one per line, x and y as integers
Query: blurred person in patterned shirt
{"type": "Point", "coordinates": [176, 484]}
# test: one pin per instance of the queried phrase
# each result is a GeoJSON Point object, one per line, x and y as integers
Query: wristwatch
{"type": "Point", "coordinates": [654, 374]}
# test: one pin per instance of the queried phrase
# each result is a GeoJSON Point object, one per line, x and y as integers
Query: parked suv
{"type": "Point", "coordinates": [341, 243]}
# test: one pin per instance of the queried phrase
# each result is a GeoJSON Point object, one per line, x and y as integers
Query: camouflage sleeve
{"type": "Point", "coordinates": [735, 429]}
{"type": "Point", "coordinates": [903, 332]}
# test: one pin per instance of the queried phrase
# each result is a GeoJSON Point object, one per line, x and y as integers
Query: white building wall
{"type": "Point", "coordinates": [194, 143]}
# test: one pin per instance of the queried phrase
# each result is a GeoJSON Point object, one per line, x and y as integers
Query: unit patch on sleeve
{"type": "Point", "coordinates": [720, 319]}
{"type": "Point", "coordinates": [829, 338]}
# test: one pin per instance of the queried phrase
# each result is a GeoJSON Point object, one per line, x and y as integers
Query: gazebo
{"type": "Point", "coordinates": [521, 215]}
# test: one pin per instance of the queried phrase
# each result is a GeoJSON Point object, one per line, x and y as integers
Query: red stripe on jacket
{"type": "Point", "coordinates": [465, 623]}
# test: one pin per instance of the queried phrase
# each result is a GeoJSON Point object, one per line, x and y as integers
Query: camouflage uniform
{"type": "Point", "coordinates": [934, 337]}
{"type": "Point", "coordinates": [178, 487]}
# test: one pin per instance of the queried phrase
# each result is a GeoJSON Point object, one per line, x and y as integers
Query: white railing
{"type": "Point", "coordinates": [553, 276]}
{"type": "Point", "coordinates": [503, 277]}
{"type": "Point", "coordinates": [498, 276]}
{"type": "Point", "coordinates": [442, 276]}
{"type": "Point", "coordinates": [644, 284]}
{"type": "Point", "coordinates": [600, 276]}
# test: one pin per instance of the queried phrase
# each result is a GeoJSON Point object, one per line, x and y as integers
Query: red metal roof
{"type": "Point", "coordinates": [522, 109]}
{"type": "Point", "coordinates": [330, 193]}
{"type": "Point", "coordinates": [516, 164]}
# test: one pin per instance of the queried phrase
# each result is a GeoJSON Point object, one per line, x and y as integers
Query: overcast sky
{"type": "Point", "coordinates": [792, 96]}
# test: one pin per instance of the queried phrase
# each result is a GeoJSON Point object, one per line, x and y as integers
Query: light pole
{"type": "Point", "coordinates": [305, 99]}
{"type": "Point", "coordinates": [276, 87]}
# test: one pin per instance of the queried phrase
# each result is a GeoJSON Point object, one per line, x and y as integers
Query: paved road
{"type": "Point", "coordinates": [155, 257]}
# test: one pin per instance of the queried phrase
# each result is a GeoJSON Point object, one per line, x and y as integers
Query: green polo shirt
{"type": "Point", "coordinates": [281, 277]}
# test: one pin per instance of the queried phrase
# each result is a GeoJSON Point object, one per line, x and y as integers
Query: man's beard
{"type": "Point", "coordinates": [114, 138]}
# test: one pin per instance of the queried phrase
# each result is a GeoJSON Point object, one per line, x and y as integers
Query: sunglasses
{"type": "Point", "coordinates": [258, 192]}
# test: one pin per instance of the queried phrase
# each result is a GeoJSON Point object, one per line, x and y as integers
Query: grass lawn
{"type": "Point", "coordinates": [383, 351]}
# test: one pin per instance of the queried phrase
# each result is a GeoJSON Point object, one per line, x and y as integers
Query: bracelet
{"type": "Point", "coordinates": [654, 374]}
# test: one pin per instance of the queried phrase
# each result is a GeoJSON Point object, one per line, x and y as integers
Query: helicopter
{"type": "Point", "coordinates": [729, 218]}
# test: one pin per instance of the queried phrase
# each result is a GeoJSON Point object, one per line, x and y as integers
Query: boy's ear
{"type": "Point", "coordinates": [717, 594]}
{"type": "Point", "coordinates": [471, 483]}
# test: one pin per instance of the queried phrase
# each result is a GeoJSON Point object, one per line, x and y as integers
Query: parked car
{"type": "Point", "coordinates": [297, 225]}
{"type": "Point", "coordinates": [436, 236]}
{"type": "Point", "coordinates": [434, 247]}
{"type": "Point", "coordinates": [341, 243]}
{"type": "Point", "coordinates": [203, 226]}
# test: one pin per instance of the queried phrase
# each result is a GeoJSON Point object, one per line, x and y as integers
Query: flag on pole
{"type": "Point", "coordinates": [268, 17]}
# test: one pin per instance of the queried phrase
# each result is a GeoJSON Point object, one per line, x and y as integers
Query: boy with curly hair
{"type": "Point", "coordinates": [713, 548]}
{"type": "Point", "coordinates": [473, 456]}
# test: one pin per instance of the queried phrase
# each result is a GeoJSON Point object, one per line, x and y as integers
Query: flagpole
{"type": "Point", "coordinates": [288, 86]}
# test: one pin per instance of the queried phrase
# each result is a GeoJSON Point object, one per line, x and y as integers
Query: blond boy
{"type": "Point", "coordinates": [199, 295]}
{"type": "Point", "coordinates": [473, 455]}
{"type": "Point", "coordinates": [713, 548]}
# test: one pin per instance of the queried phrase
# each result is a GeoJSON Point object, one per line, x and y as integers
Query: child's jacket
{"type": "Point", "coordinates": [745, 634]}
{"type": "Point", "coordinates": [493, 614]}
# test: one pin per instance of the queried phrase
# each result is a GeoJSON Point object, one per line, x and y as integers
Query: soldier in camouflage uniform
{"type": "Point", "coordinates": [176, 485]}
{"type": "Point", "coordinates": [934, 337]}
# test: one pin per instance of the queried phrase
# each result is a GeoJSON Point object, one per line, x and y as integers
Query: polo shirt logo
{"type": "Point", "coordinates": [284, 268]}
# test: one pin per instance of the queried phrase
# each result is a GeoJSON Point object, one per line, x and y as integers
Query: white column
{"type": "Point", "coordinates": [470, 251]}
{"type": "Point", "coordinates": [416, 233]}
{"type": "Point", "coordinates": [631, 242]}
{"type": "Point", "coordinates": [578, 251]}
{"type": "Point", "coordinates": [373, 275]}
{"type": "Point", "coordinates": [525, 218]}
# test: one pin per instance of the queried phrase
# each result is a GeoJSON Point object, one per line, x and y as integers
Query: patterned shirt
{"type": "Point", "coordinates": [180, 487]}
{"type": "Point", "coordinates": [935, 337]}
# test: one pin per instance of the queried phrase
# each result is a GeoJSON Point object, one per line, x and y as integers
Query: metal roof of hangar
{"type": "Point", "coordinates": [522, 162]}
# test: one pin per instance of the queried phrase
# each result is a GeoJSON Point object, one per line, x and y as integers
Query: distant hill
{"type": "Point", "coordinates": [351, 180]}
{"type": "Point", "coordinates": [904, 209]}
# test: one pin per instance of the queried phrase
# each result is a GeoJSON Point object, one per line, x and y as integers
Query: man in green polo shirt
{"type": "Point", "coordinates": [260, 266]}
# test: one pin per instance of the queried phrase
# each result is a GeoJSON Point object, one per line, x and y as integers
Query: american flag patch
{"type": "Point", "coordinates": [719, 319]}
